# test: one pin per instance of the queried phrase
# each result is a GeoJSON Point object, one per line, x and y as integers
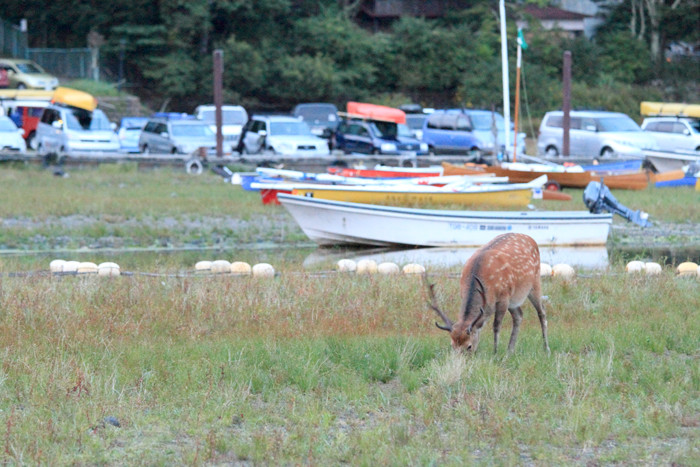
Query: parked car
{"type": "Point", "coordinates": [482, 123]}
{"type": "Point", "coordinates": [11, 136]}
{"type": "Point", "coordinates": [321, 117]}
{"type": "Point", "coordinates": [233, 118]}
{"type": "Point", "coordinates": [594, 134]}
{"type": "Point", "coordinates": [65, 129]}
{"type": "Point", "coordinates": [24, 74]}
{"type": "Point", "coordinates": [181, 135]}
{"type": "Point", "coordinates": [129, 132]}
{"type": "Point", "coordinates": [377, 137]}
{"type": "Point", "coordinates": [415, 123]}
{"type": "Point", "coordinates": [281, 135]}
{"type": "Point", "coordinates": [450, 132]}
{"type": "Point", "coordinates": [674, 133]}
{"type": "Point", "coordinates": [25, 113]}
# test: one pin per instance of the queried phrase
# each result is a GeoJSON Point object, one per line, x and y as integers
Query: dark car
{"type": "Point", "coordinates": [321, 117]}
{"type": "Point", "coordinates": [377, 137]}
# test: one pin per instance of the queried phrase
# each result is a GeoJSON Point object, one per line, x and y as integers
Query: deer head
{"type": "Point", "coordinates": [465, 337]}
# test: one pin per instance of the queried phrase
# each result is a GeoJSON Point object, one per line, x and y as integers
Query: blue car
{"type": "Point", "coordinates": [449, 132]}
{"type": "Point", "coordinates": [129, 132]}
{"type": "Point", "coordinates": [377, 137]}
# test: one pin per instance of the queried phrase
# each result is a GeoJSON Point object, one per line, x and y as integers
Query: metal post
{"type": "Point", "coordinates": [566, 105]}
{"type": "Point", "coordinates": [218, 98]}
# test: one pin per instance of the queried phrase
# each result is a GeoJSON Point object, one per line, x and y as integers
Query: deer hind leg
{"type": "Point", "coordinates": [517, 314]}
{"type": "Point", "coordinates": [536, 301]}
{"type": "Point", "coordinates": [497, 318]}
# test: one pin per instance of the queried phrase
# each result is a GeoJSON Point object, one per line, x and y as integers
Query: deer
{"type": "Point", "coordinates": [499, 276]}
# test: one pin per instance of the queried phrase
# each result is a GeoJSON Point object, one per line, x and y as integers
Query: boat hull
{"type": "Point", "coordinates": [624, 181]}
{"type": "Point", "coordinates": [330, 222]}
{"type": "Point", "coordinates": [506, 198]}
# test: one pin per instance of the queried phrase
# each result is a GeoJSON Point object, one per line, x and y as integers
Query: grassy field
{"type": "Point", "coordinates": [310, 368]}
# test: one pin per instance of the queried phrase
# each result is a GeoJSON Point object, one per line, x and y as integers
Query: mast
{"type": "Point", "coordinates": [504, 68]}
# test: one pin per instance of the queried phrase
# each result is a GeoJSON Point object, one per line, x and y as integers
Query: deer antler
{"type": "Point", "coordinates": [433, 304]}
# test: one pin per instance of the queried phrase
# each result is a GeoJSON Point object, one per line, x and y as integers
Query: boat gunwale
{"type": "Point", "coordinates": [550, 216]}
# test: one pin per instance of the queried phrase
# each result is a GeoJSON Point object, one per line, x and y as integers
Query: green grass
{"type": "Point", "coordinates": [342, 369]}
{"type": "Point", "coordinates": [308, 368]}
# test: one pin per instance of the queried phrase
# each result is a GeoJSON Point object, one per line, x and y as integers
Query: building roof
{"type": "Point", "coordinates": [552, 13]}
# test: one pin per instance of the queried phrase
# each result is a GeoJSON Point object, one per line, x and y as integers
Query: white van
{"type": "Point", "coordinates": [233, 119]}
{"type": "Point", "coordinates": [66, 129]}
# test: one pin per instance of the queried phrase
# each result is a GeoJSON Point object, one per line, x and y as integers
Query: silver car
{"type": "Point", "coordinates": [281, 135]}
{"type": "Point", "coordinates": [182, 136]}
{"type": "Point", "coordinates": [594, 134]}
{"type": "Point", "coordinates": [674, 133]}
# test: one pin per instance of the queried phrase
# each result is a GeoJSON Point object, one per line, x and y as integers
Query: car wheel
{"type": "Point", "coordinates": [607, 152]}
{"type": "Point", "coordinates": [21, 86]}
{"type": "Point", "coordinates": [551, 151]}
{"type": "Point", "coordinates": [173, 151]}
{"type": "Point", "coordinates": [697, 149]}
{"type": "Point", "coordinates": [431, 150]}
{"type": "Point", "coordinates": [145, 149]}
{"type": "Point", "coordinates": [376, 152]}
{"type": "Point", "coordinates": [475, 153]}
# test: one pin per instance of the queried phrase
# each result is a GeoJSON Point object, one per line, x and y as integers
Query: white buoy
{"type": "Point", "coordinates": [108, 269]}
{"type": "Point", "coordinates": [220, 266]}
{"type": "Point", "coordinates": [202, 266]}
{"type": "Point", "coordinates": [686, 269]}
{"type": "Point", "coordinates": [563, 271]}
{"type": "Point", "coordinates": [652, 269]}
{"type": "Point", "coordinates": [241, 268]}
{"type": "Point", "coordinates": [366, 266]}
{"type": "Point", "coordinates": [263, 270]}
{"type": "Point", "coordinates": [346, 265]}
{"type": "Point", "coordinates": [545, 270]}
{"type": "Point", "coordinates": [87, 267]}
{"type": "Point", "coordinates": [413, 268]}
{"type": "Point", "coordinates": [388, 268]}
{"type": "Point", "coordinates": [634, 266]}
{"type": "Point", "coordinates": [70, 266]}
{"type": "Point", "coordinates": [56, 265]}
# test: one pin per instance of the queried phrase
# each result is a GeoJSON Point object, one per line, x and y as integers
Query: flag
{"type": "Point", "coordinates": [521, 39]}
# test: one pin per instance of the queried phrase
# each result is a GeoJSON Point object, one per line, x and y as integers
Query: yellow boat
{"type": "Point", "coordinates": [669, 109]}
{"type": "Point", "coordinates": [515, 195]}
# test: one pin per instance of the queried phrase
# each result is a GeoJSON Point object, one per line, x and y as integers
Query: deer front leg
{"type": "Point", "coordinates": [517, 314]}
{"type": "Point", "coordinates": [537, 303]}
{"type": "Point", "coordinates": [497, 318]}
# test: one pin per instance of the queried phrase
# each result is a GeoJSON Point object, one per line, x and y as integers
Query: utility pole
{"type": "Point", "coordinates": [218, 99]}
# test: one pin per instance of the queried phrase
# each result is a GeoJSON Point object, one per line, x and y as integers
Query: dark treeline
{"type": "Point", "coordinates": [281, 52]}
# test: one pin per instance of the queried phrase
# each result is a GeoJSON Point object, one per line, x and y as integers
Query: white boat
{"type": "Point", "coordinates": [665, 161]}
{"type": "Point", "coordinates": [330, 222]}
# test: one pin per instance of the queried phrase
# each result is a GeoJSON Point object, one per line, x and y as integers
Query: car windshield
{"type": "Point", "coordinates": [29, 68]}
{"type": "Point", "coordinates": [192, 130]}
{"type": "Point", "coordinates": [228, 116]}
{"type": "Point", "coordinates": [7, 125]}
{"type": "Point", "coordinates": [695, 124]}
{"type": "Point", "coordinates": [617, 124]}
{"type": "Point", "coordinates": [325, 113]}
{"type": "Point", "coordinates": [81, 119]}
{"type": "Point", "coordinates": [483, 121]}
{"type": "Point", "coordinates": [386, 130]}
{"type": "Point", "coordinates": [290, 129]}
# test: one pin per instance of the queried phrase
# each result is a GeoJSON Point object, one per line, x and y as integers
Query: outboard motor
{"type": "Point", "coordinates": [597, 198]}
